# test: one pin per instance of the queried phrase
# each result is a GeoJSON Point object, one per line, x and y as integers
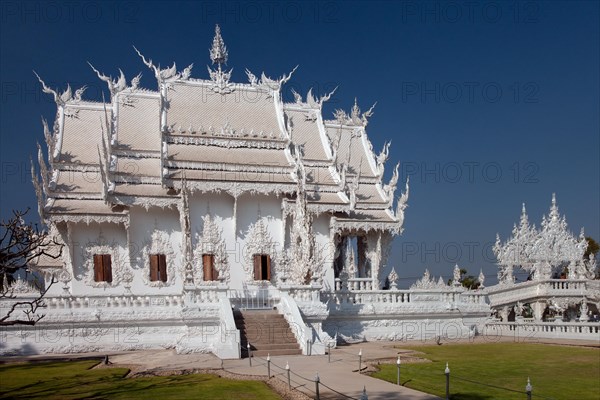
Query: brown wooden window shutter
{"type": "Point", "coordinates": [162, 267]}
{"type": "Point", "coordinates": [98, 269]}
{"type": "Point", "coordinates": [257, 265]}
{"type": "Point", "coordinates": [102, 268]}
{"type": "Point", "coordinates": [153, 267]}
{"type": "Point", "coordinates": [208, 265]}
{"type": "Point", "coordinates": [267, 275]}
{"type": "Point", "coordinates": [158, 267]}
{"type": "Point", "coordinates": [107, 264]}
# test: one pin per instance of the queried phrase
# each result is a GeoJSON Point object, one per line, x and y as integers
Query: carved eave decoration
{"type": "Point", "coordinates": [89, 218]}
{"type": "Point", "coordinates": [236, 189]}
{"type": "Point", "coordinates": [211, 242]}
{"type": "Point", "coordinates": [340, 227]}
{"type": "Point", "coordinates": [101, 246]}
{"type": "Point", "coordinates": [197, 165]}
{"type": "Point", "coordinates": [159, 243]}
{"type": "Point", "coordinates": [259, 241]}
{"type": "Point", "coordinates": [263, 140]}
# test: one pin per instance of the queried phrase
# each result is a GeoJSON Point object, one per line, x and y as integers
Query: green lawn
{"type": "Point", "coordinates": [557, 372]}
{"type": "Point", "coordinates": [75, 380]}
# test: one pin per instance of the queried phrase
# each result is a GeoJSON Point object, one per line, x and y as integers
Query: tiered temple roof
{"type": "Point", "coordinates": [216, 136]}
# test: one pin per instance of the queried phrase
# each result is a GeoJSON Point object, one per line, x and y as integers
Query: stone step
{"type": "Point", "coordinates": [271, 346]}
{"type": "Point", "coordinates": [263, 327]}
{"type": "Point", "coordinates": [264, 353]}
{"type": "Point", "coordinates": [268, 339]}
{"type": "Point", "coordinates": [276, 317]}
{"type": "Point", "coordinates": [268, 333]}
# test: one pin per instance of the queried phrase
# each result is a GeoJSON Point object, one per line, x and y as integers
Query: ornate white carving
{"type": "Point", "coordinates": [259, 241]}
{"type": "Point", "coordinates": [583, 317]}
{"type": "Point", "coordinates": [158, 243]}
{"type": "Point", "coordinates": [456, 276]}
{"type": "Point", "coordinates": [304, 257]}
{"type": "Point", "coordinates": [101, 246]}
{"type": "Point", "coordinates": [390, 188]}
{"type": "Point", "coordinates": [39, 192]}
{"type": "Point", "coordinates": [355, 118]}
{"type": "Point", "coordinates": [481, 279]}
{"type": "Point", "coordinates": [393, 279]}
{"type": "Point", "coordinates": [20, 287]}
{"type": "Point", "coordinates": [163, 76]}
{"type": "Point", "coordinates": [383, 157]}
{"type": "Point", "coordinates": [65, 97]}
{"type": "Point", "coordinates": [542, 253]}
{"type": "Point", "coordinates": [402, 203]}
{"type": "Point", "coordinates": [114, 86]}
{"type": "Point", "coordinates": [429, 282]}
{"type": "Point", "coordinates": [211, 242]}
{"type": "Point", "coordinates": [186, 233]}
{"type": "Point", "coordinates": [218, 55]}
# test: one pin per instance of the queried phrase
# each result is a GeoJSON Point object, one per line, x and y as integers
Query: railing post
{"type": "Point", "coordinates": [287, 368]}
{"type": "Point", "coordinates": [269, 365]}
{"type": "Point", "coordinates": [249, 353]}
{"type": "Point", "coordinates": [317, 386]}
{"type": "Point", "coordinates": [528, 389]}
{"type": "Point", "coordinates": [398, 365]}
{"type": "Point", "coordinates": [328, 352]}
{"type": "Point", "coordinates": [447, 372]}
{"type": "Point", "coordinates": [359, 360]}
{"type": "Point", "coordinates": [364, 396]}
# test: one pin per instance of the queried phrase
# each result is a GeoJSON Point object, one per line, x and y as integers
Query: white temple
{"type": "Point", "coordinates": [178, 207]}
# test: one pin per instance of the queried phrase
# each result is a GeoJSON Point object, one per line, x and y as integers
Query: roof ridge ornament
{"type": "Point", "coordinates": [66, 96]}
{"type": "Point", "coordinates": [403, 202]}
{"type": "Point", "coordinates": [383, 157]}
{"type": "Point", "coordinates": [114, 86]}
{"type": "Point", "coordinates": [218, 52]}
{"type": "Point", "coordinates": [165, 75]}
{"type": "Point", "coordinates": [355, 118]}
{"type": "Point", "coordinates": [219, 55]}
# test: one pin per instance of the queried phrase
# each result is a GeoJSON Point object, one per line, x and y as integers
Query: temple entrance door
{"type": "Point", "coordinates": [262, 267]}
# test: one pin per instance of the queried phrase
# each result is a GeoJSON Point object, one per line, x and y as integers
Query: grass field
{"type": "Point", "coordinates": [556, 372]}
{"type": "Point", "coordinates": [75, 380]}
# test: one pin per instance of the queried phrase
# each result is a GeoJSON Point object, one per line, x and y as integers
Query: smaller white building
{"type": "Point", "coordinates": [560, 297]}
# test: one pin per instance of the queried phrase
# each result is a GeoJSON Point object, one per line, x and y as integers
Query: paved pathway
{"type": "Point", "coordinates": [338, 377]}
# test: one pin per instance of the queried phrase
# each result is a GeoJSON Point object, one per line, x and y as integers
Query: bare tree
{"type": "Point", "coordinates": [21, 244]}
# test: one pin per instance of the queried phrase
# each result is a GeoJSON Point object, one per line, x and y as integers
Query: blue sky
{"type": "Point", "coordinates": [488, 104]}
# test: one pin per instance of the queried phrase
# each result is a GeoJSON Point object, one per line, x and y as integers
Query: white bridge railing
{"type": "Point", "coordinates": [530, 290]}
{"type": "Point", "coordinates": [565, 330]}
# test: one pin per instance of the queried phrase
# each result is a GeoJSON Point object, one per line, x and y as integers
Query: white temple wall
{"type": "Point", "coordinates": [221, 208]}
{"type": "Point", "coordinates": [248, 209]}
{"type": "Point", "coordinates": [143, 223]}
{"type": "Point", "coordinates": [86, 237]}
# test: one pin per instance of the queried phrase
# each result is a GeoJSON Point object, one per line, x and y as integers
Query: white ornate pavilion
{"type": "Point", "coordinates": [560, 295]}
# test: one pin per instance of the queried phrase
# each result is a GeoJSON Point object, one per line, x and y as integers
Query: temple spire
{"type": "Point", "coordinates": [554, 209]}
{"type": "Point", "coordinates": [218, 52]}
